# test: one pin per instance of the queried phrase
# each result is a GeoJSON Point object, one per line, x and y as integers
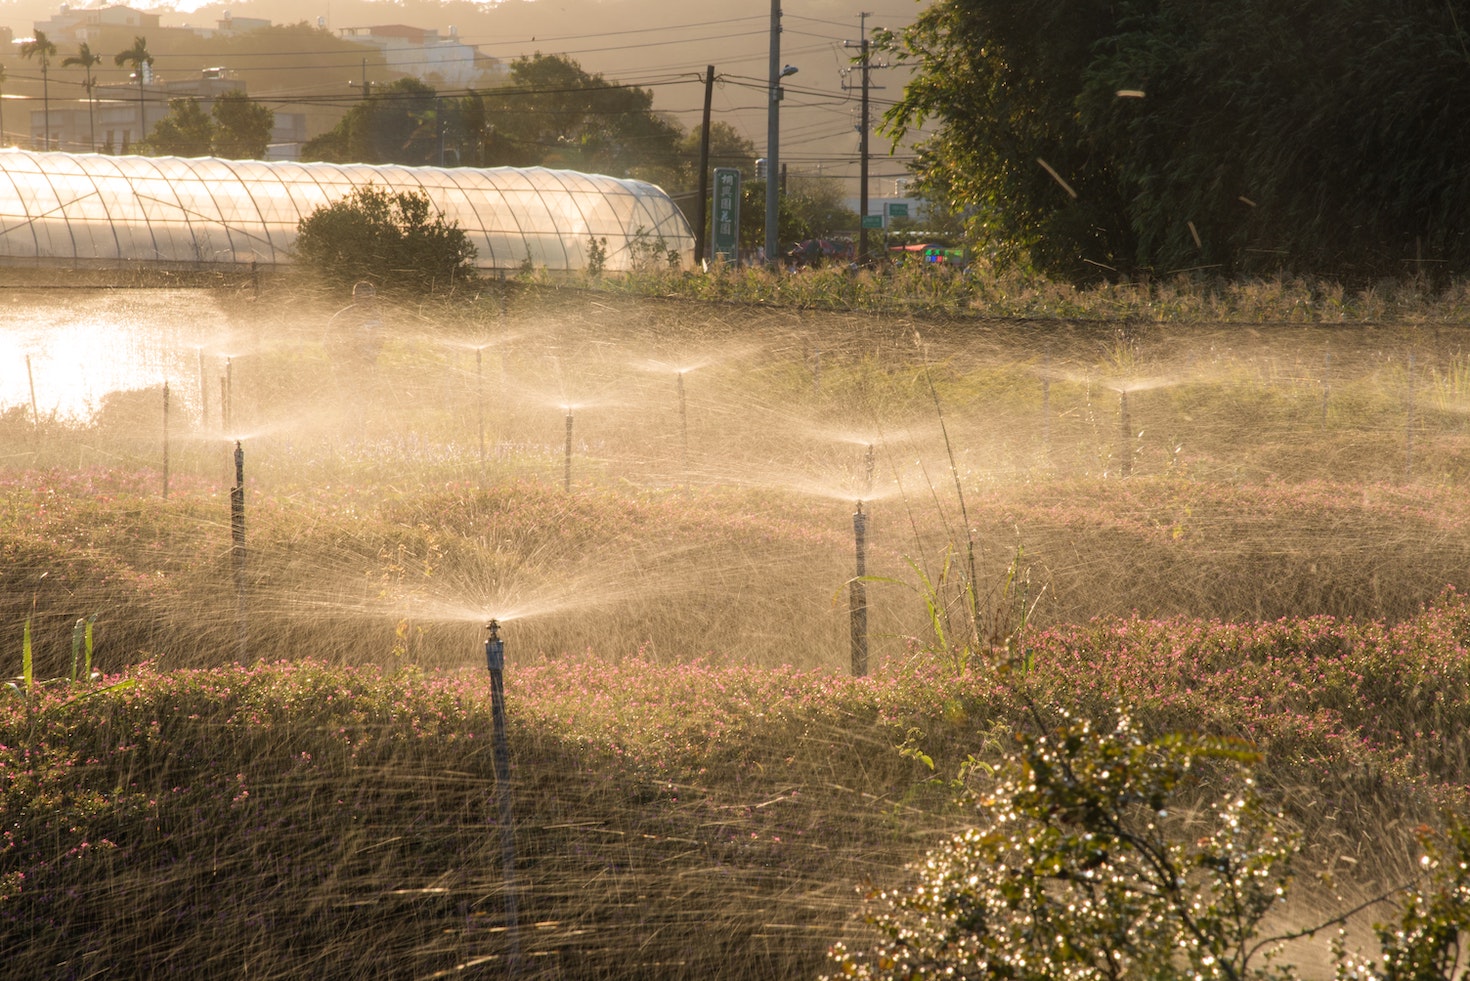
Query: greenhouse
{"type": "Point", "coordinates": [82, 210]}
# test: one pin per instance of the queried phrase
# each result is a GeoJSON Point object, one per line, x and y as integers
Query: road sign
{"type": "Point", "coordinates": [898, 209]}
{"type": "Point", "coordinates": [872, 221]}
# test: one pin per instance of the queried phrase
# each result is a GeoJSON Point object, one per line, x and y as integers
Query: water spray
{"type": "Point", "coordinates": [1409, 423]}
{"type": "Point", "coordinates": [495, 661]}
{"type": "Point", "coordinates": [480, 400]}
{"type": "Point", "coordinates": [869, 465]}
{"type": "Point", "coordinates": [237, 543]}
{"type": "Point", "coordinates": [567, 481]}
{"type": "Point", "coordinates": [858, 595]}
{"type": "Point", "coordinates": [683, 427]}
{"type": "Point", "coordinates": [1326, 387]}
{"type": "Point", "coordinates": [1125, 434]}
{"type": "Point", "coordinates": [1046, 412]}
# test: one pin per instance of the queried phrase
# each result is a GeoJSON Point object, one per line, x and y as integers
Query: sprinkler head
{"type": "Point", "coordinates": [494, 627]}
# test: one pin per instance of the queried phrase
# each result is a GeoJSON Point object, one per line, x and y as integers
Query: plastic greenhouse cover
{"type": "Point", "coordinates": [83, 209]}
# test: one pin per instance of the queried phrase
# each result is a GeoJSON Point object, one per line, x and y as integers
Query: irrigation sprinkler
{"type": "Point", "coordinates": [1125, 436]}
{"type": "Point", "coordinates": [237, 544]}
{"type": "Point", "coordinates": [858, 595]}
{"type": "Point", "coordinates": [31, 378]}
{"type": "Point", "coordinates": [165, 440]}
{"type": "Point", "coordinates": [495, 661]}
{"type": "Point", "coordinates": [567, 481]}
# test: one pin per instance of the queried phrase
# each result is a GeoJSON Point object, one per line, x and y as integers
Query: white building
{"type": "Point", "coordinates": [422, 53]}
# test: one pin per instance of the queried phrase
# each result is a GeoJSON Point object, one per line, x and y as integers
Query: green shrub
{"type": "Point", "coordinates": [392, 239]}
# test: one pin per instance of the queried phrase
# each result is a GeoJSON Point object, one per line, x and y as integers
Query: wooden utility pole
{"type": "Point", "coordinates": [701, 212]}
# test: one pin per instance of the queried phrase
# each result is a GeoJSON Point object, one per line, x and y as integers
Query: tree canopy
{"type": "Point", "coordinates": [397, 123]}
{"type": "Point", "coordinates": [553, 113]}
{"type": "Point", "coordinates": [235, 128]}
{"type": "Point", "coordinates": [1125, 136]}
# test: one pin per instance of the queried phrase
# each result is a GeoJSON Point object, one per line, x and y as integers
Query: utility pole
{"type": "Point", "coordinates": [863, 125]}
{"type": "Point", "coordinates": [773, 140]}
{"type": "Point", "coordinates": [701, 212]}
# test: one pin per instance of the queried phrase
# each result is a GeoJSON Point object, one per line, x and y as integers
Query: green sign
{"type": "Point", "coordinates": [725, 230]}
{"type": "Point", "coordinates": [872, 221]}
{"type": "Point", "coordinates": [898, 209]}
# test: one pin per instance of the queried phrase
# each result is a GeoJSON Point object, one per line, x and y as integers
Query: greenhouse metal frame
{"type": "Point", "coordinates": [85, 210]}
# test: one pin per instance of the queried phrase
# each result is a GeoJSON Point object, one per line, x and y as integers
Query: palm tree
{"type": "Point", "coordinates": [138, 57]}
{"type": "Point", "coordinates": [39, 45]}
{"type": "Point", "coordinates": [86, 59]}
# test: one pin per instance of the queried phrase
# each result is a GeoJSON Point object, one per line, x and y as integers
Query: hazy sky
{"type": "Point", "coordinates": [651, 43]}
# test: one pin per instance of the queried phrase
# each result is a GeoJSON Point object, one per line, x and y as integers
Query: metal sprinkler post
{"type": "Point", "coordinates": [567, 481]}
{"type": "Point", "coordinates": [31, 378]}
{"type": "Point", "coordinates": [858, 596]}
{"type": "Point", "coordinates": [495, 660]}
{"type": "Point", "coordinates": [237, 543]}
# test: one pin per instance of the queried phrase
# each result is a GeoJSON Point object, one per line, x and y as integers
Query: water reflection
{"type": "Point", "coordinates": [72, 348]}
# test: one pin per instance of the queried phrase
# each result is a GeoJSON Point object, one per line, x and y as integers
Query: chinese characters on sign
{"type": "Point", "coordinates": [726, 231]}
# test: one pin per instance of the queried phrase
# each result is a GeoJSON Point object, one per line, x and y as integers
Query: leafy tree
{"type": "Point", "coordinates": [791, 225]}
{"type": "Point", "coordinates": [235, 127]}
{"type": "Point", "coordinates": [87, 60]}
{"type": "Point", "coordinates": [819, 203]}
{"type": "Point", "coordinates": [552, 113]}
{"type": "Point", "coordinates": [810, 208]}
{"type": "Point", "coordinates": [41, 48]}
{"type": "Point", "coordinates": [242, 128]}
{"type": "Point", "coordinates": [391, 238]}
{"type": "Point", "coordinates": [138, 57]}
{"type": "Point", "coordinates": [727, 148]}
{"type": "Point", "coordinates": [1156, 135]}
{"type": "Point", "coordinates": [396, 123]}
{"type": "Point", "coordinates": [187, 131]}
